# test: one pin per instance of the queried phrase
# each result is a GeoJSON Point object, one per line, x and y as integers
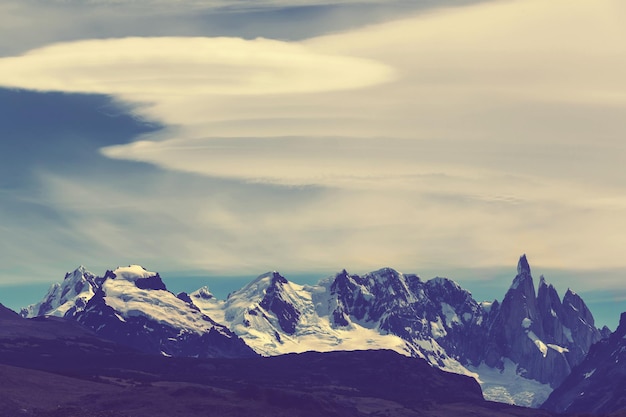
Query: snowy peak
{"type": "Point", "coordinates": [80, 271]}
{"type": "Point", "coordinates": [68, 297]}
{"type": "Point", "coordinates": [278, 301]}
{"type": "Point", "coordinates": [256, 289]}
{"type": "Point", "coordinates": [142, 278]}
{"type": "Point", "coordinates": [202, 293]}
{"type": "Point", "coordinates": [131, 306]}
{"type": "Point", "coordinates": [132, 272]}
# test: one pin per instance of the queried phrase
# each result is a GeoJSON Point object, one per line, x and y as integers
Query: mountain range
{"type": "Point", "coordinates": [519, 349]}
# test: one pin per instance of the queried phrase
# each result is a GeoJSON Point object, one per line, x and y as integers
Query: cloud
{"type": "Point", "coordinates": [157, 68]}
{"type": "Point", "coordinates": [461, 137]}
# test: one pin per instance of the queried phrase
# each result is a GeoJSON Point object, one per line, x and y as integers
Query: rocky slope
{"type": "Point", "coordinates": [7, 313]}
{"type": "Point", "coordinates": [598, 384]}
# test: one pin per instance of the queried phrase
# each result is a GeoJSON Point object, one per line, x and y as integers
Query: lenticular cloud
{"type": "Point", "coordinates": [187, 66]}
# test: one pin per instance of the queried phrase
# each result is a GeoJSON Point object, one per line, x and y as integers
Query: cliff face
{"type": "Point", "coordinates": [598, 384]}
{"type": "Point", "coordinates": [544, 336]}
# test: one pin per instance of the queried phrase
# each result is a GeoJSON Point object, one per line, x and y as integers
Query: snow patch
{"type": "Point", "coordinates": [486, 305]}
{"type": "Point", "coordinates": [132, 273]}
{"type": "Point", "coordinates": [450, 314]}
{"type": "Point", "coordinates": [540, 345]}
{"type": "Point", "coordinates": [588, 374]}
{"type": "Point", "coordinates": [437, 329]}
{"type": "Point", "coordinates": [506, 386]}
{"type": "Point", "coordinates": [558, 348]}
{"type": "Point", "coordinates": [161, 306]}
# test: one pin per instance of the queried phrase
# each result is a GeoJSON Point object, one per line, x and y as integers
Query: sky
{"type": "Point", "coordinates": [214, 140]}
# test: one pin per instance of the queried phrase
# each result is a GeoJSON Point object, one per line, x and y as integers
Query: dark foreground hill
{"type": "Point", "coordinates": [343, 384]}
{"type": "Point", "coordinates": [50, 367]}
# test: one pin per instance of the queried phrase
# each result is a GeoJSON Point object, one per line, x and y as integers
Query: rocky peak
{"type": "Point", "coordinates": [276, 301]}
{"type": "Point", "coordinates": [620, 332]}
{"type": "Point", "coordinates": [278, 279]}
{"type": "Point", "coordinates": [523, 282]}
{"type": "Point", "coordinates": [574, 305]}
{"type": "Point", "coordinates": [203, 293]}
{"type": "Point", "coordinates": [542, 282]}
{"type": "Point", "coordinates": [444, 289]}
{"type": "Point", "coordinates": [551, 312]}
{"type": "Point", "coordinates": [66, 297]}
{"type": "Point", "coordinates": [151, 283]}
{"type": "Point", "coordinates": [341, 282]}
{"type": "Point", "coordinates": [78, 272]}
{"type": "Point", "coordinates": [523, 268]}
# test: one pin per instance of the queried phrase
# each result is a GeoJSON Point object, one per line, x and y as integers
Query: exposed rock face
{"type": "Point", "coordinates": [274, 301]}
{"type": "Point", "coordinates": [578, 320]}
{"type": "Point", "coordinates": [598, 384]}
{"type": "Point", "coordinates": [414, 310]}
{"type": "Point", "coordinates": [545, 337]}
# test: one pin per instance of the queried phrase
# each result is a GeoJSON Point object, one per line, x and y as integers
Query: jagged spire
{"type": "Point", "coordinates": [522, 266]}
{"type": "Point", "coordinates": [621, 328]}
{"type": "Point", "coordinates": [542, 281]}
{"type": "Point", "coordinates": [524, 279]}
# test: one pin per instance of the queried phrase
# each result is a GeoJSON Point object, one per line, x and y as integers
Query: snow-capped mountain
{"type": "Point", "coordinates": [132, 306]}
{"type": "Point", "coordinates": [519, 349]}
{"type": "Point", "coordinates": [69, 297]}
{"type": "Point", "coordinates": [598, 384]}
{"type": "Point", "coordinates": [381, 310]}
